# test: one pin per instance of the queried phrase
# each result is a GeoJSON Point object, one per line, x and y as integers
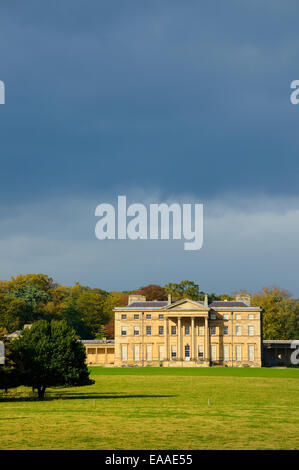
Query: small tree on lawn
{"type": "Point", "coordinates": [49, 355]}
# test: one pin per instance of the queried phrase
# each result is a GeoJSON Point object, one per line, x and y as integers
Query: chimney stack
{"type": "Point", "coordinates": [246, 298]}
{"type": "Point", "coordinates": [169, 299]}
{"type": "Point", "coordinates": [136, 298]}
{"type": "Point", "coordinates": [206, 301]}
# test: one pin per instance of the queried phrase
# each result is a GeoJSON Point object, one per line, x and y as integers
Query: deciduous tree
{"type": "Point", "coordinates": [153, 292]}
{"type": "Point", "coordinates": [184, 289]}
{"type": "Point", "coordinates": [49, 355]}
{"type": "Point", "coordinates": [277, 305]}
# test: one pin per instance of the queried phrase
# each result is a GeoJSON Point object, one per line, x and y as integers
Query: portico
{"type": "Point", "coordinates": [191, 331]}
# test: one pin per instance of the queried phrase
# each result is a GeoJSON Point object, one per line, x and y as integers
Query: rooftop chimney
{"type": "Point", "coordinates": [169, 299]}
{"type": "Point", "coordinates": [206, 301]}
{"type": "Point", "coordinates": [246, 298]}
{"type": "Point", "coordinates": [136, 298]}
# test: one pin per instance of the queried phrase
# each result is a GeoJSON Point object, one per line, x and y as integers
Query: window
{"type": "Point", "coordinates": [250, 316]}
{"type": "Point", "coordinates": [213, 330]}
{"type": "Point", "coordinates": [226, 352]}
{"type": "Point", "coordinates": [148, 316]}
{"type": "Point", "coordinates": [238, 352]}
{"type": "Point", "coordinates": [136, 352]}
{"type": "Point", "coordinates": [124, 317]}
{"type": "Point", "coordinates": [225, 316]}
{"type": "Point", "coordinates": [148, 331]}
{"type": "Point", "coordinates": [225, 330]}
{"type": "Point", "coordinates": [251, 330]}
{"type": "Point", "coordinates": [200, 351]}
{"type": "Point", "coordinates": [161, 330]}
{"type": "Point", "coordinates": [136, 330]}
{"type": "Point", "coordinates": [161, 316]}
{"type": "Point", "coordinates": [173, 330]}
{"type": "Point", "coordinates": [149, 352]}
{"type": "Point", "coordinates": [136, 316]}
{"type": "Point", "coordinates": [124, 352]}
{"type": "Point", "coordinates": [238, 330]}
{"type": "Point", "coordinates": [213, 352]}
{"type": "Point", "coordinates": [173, 351]}
{"type": "Point", "coordinates": [187, 330]}
{"type": "Point", "coordinates": [213, 316]}
{"type": "Point", "coordinates": [161, 352]}
{"type": "Point", "coordinates": [250, 353]}
{"type": "Point", "coordinates": [187, 351]}
{"type": "Point", "coordinates": [200, 331]}
{"type": "Point", "coordinates": [238, 316]}
{"type": "Point", "coordinates": [124, 331]}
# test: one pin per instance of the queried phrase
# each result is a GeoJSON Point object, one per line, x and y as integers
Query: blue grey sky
{"type": "Point", "coordinates": [159, 100]}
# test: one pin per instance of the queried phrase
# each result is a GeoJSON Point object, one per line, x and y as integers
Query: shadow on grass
{"type": "Point", "coordinates": [51, 396]}
{"type": "Point", "coordinates": [17, 417]}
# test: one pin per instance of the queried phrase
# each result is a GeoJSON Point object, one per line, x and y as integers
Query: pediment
{"type": "Point", "coordinates": [187, 304]}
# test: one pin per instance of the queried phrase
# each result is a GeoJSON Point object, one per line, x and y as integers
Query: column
{"type": "Point", "coordinates": [166, 354]}
{"type": "Point", "coordinates": [207, 340]}
{"type": "Point", "coordinates": [179, 344]}
{"type": "Point", "coordinates": [106, 359]}
{"type": "Point", "coordinates": [193, 355]}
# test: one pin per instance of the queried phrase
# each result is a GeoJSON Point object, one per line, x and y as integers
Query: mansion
{"type": "Point", "coordinates": [182, 333]}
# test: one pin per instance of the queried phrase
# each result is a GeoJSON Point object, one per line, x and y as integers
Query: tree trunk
{"type": "Point", "coordinates": [41, 392]}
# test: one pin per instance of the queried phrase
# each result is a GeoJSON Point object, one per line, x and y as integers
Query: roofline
{"type": "Point", "coordinates": [229, 309]}
{"type": "Point", "coordinates": [165, 307]}
{"type": "Point", "coordinates": [280, 341]}
{"type": "Point", "coordinates": [98, 341]}
{"type": "Point", "coordinates": [185, 299]}
{"type": "Point", "coordinates": [137, 308]}
{"type": "Point", "coordinates": [204, 307]}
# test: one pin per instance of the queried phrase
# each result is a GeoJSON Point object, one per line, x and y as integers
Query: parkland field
{"type": "Point", "coordinates": [159, 408]}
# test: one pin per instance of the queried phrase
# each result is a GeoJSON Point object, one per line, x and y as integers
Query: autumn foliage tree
{"type": "Point", "coordinates": [14, 313]}
{"type": "Point", "coordinates": [280, 313]}
{"type": "Point", "coordinates": [153, 292]}
{"type": "Point", "coordinates": [109, 329]}
{"type": "Point", "coordinates": [42, 281]}
{"type": "Point", "coordinates": [184, 289]}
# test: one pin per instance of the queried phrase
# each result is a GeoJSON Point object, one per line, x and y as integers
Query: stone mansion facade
{"type": "Point", "coordinates": [182, 333]}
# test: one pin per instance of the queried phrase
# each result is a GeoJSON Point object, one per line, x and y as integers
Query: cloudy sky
{"type": "Point", "coordinates": [160, 100]}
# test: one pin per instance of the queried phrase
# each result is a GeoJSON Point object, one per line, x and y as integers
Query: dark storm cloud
{"type": "Point", "coordinates": [107, 97]}
{"type": "Point", "coordinates": [102, 94]}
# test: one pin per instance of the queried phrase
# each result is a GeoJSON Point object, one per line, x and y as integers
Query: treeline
{"type": "Point", "coordinates": [26, 299]}
{"type": "Point", "coordinates": [89, 311]}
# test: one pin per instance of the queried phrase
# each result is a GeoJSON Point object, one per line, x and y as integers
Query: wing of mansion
{"type": "Point", "coordinates": [182, 333]}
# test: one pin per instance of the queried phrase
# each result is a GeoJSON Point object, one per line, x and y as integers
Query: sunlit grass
{"type": "Point", "coordinates": [199, 371]}
{"type": "Point", "coordinates": [155, 410]}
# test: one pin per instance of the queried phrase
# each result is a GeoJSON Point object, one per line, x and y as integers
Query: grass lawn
{"type": "Point", "coordinates": [159, 408]}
